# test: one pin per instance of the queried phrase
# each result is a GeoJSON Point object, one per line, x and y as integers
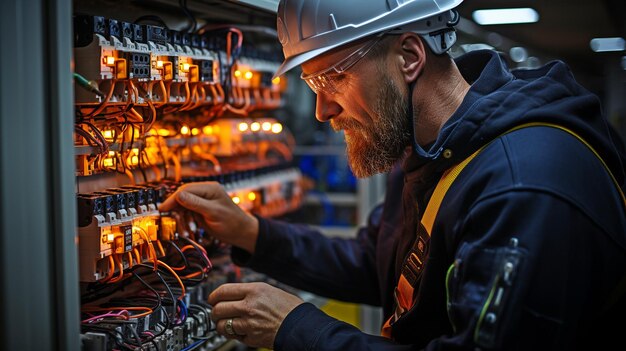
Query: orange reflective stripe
{"type": "Point", "coordinates": [386, 330]}
{"type": "Point", "coordinates": [405, 293]}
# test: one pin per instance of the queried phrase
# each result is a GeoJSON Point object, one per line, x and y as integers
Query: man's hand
{"type": "Point", "coordinates": [222, 218]}
{"type": "Point", "coordinates": [256, 309]}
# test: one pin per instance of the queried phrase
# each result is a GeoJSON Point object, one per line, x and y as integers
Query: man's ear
{"type": "Point", "coordinates": [412, 55]}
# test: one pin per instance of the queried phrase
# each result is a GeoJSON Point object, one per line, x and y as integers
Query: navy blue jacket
{"type": "Point", "coordinates": [527, 249]}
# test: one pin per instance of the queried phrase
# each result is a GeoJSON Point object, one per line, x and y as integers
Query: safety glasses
{"type": "Point", "coordinates": [326, 79]}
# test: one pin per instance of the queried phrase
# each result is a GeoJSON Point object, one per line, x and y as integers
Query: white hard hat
{"type": "Point", "coordinates": [308, 28]}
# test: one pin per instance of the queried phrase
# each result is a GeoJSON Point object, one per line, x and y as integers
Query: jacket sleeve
{"type": "Point", "coordinates": [304, 258]}
{"type": "Point", "coordinates": [308, 328]}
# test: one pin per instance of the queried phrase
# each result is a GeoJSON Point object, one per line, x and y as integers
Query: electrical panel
{"type": "Point", "coordinates": [156, 108]}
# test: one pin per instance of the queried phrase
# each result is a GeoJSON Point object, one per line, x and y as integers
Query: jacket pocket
{"type": "Point", "coordinates": [479, 284]}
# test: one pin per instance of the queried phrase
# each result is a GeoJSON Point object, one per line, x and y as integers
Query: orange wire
{"type": "Point", "coordinates": [130, 259]}
{"type": "Point", "coordinates": [194, 243]}
{"type": "Point", "coordinates": [197, 150]}
{"type": "Point", "coordinates": [187, 247]}
{"type": "Point", "coordinates": [228, 46]}
{"type": "Point", "coordinates": [143, 233]}
{"type": "Point", "coordinates": [220, 92]}
{"type": "Point", "coordinates": [214, 94]}
{"type": "Point", "coordinates": [111, 268]}
{"type": "Point", "coordinates": [166, 98]}
{"type": "Point", "coordinates": [120, 266]}
{"type": "Point", "coordinates": [192, 275]}
{"type": "Point", "coordinates": [182, 286]}
{"type": "Point", "coordinates": [160, 246]}
{"type": "Point", "coordinates": [137, 255]}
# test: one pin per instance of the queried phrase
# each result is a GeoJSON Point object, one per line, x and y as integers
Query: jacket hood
{"type": "Point", "coordinates": [500, 99]}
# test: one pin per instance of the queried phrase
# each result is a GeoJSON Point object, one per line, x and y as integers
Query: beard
{"type": "Point", "coordinates": [376, 147]}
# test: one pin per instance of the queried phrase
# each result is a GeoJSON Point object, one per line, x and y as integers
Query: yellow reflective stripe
{"type": "Point", "coordinates": [428, 219]}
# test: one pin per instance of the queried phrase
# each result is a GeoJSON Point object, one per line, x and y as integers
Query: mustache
{"type": "Point", "coordinates": [339, 125]}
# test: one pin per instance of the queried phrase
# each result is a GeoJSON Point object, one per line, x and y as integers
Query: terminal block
{"type": "Point", "coordinates": [157, 35]}
{"type": "Point", "coordinates": [116, 221]}
{"type": "Point", "coordinates": [138, 64]}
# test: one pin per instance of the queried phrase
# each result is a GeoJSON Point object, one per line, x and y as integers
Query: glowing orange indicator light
{"type": "Point", "coordinates": [108, 162]}
{"type": "Point", "coordinates": [251, 196]}
{"type": "Point", "coordinates": [186, 67]}
{"type": "Point", "coordinates": [163, 132]}
{"type": "Point", "coordinates": [276, 81]}
{"type": "Point", "coordinates": [208, 130]}
{"type": "Point", "coordinates": [277, 128]}
{"type": "Point", "coordinates": [184, 130]}
{"type": "Point", "coordinates": [109, 60]}
{"type": "Point", "coordinates": [236, 200]}
{"type": "Point", "coordinates": [108, 134]}
{"type": "Point", "coordinates": [159, 64]}
{"type": "Point", "coordinates": [255, 127]}
{"type": "Point", "coordinates": [195, 131]}
{"type": "Point", "coordinates": [243, 126]}
{"type": "Point", "coordinates": [266, 126]}
{"type": "Point", "coordinates": [248, 75]}
{"type": "Point", "coordinates": [237, 73]}
{"type": "Point", "coordinates": [110, 237]}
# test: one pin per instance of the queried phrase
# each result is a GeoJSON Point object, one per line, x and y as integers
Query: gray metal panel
{"type": "Point", "coordinates": [38, 296]}
{"type": "Point", "coordinates": [27, 291]}
{"type": "Point", "coordinates": [267, 5]}
{"type": "Point", "coordinates": [60, 95]}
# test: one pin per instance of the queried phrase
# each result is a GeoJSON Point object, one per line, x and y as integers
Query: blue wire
{"type": "Point", "coordinates": [183, 311]}
{"type": "Point", "coordinates": [192, 346]}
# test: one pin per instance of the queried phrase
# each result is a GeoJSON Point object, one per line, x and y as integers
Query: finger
{"type": "Point", "coordinates": [206, 190]}
{"type": "Point", "coordinates": [228, 292]}
{"type": "Point", "coordinates": [227, 309]}
{"type": "Point", "coordinates": [169, 204]}
{"type": "Point", "coordinates": [193, 202]}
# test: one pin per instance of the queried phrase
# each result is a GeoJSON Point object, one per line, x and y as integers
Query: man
{"type": "Point", "coordinates": [526, 249]}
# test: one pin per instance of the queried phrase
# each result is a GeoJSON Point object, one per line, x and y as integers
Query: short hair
{"type": "Point", "coordinates": [384, 45]}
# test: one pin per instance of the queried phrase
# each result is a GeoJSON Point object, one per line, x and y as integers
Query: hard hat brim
{"type": "Point", "coordinates": [297, 60]}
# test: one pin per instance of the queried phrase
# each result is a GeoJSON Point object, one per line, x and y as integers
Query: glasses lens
{"type": "Point", "coordinates": [321, 82]}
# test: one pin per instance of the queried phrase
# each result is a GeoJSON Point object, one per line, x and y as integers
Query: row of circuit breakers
{"type": "Point", "coordinates": [146, 52]}
{"type": "Point", "coordinates": [160, 108]}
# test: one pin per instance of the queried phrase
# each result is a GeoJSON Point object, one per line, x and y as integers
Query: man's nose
{"type": "Point", "coordinates": [326, 107]}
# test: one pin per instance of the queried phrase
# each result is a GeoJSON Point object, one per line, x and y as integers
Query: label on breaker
{"type": "Point", "coordinates": [127, 230]}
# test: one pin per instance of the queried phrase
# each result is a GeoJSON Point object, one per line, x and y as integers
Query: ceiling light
{"type": "Point", "coordinates": [518, 54]}
{"type": "Point", "coordinates": [506, 16]}
{"type": "Point", "coordinates": [607, 44]}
